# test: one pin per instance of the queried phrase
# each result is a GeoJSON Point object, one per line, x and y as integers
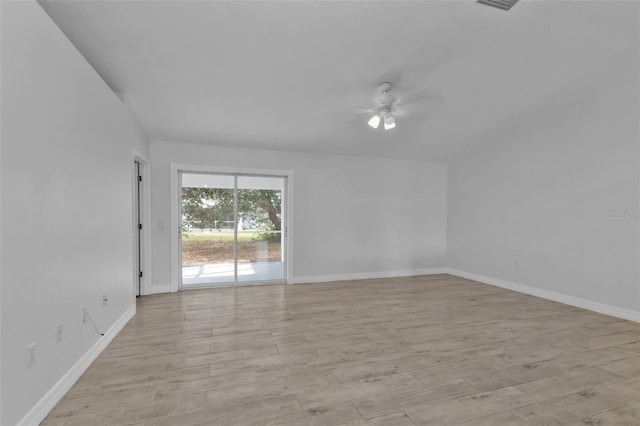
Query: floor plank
{"type": "Point", "coordinates": [426, 350]}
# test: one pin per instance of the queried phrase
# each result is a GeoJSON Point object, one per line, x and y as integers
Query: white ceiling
{"type": "Point", "coordinates": [294, 75]}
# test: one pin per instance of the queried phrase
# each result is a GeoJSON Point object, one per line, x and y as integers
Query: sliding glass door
{"type": "Point", "coordinates": [208, 255]}
{"type": "Point", "coordinates": [260, 237]}
{"type": "Point", "coordinates": [231, 229]}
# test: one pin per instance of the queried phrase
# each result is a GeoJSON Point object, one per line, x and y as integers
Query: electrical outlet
{"type": "Point", "coordinates": [105, 299]}
{"type": "Point", "coordinates": [85, 315]}
{"type": "Point", "coordinates": [31, 354]}
{"type": "Point", "coordinates": [59, 332]}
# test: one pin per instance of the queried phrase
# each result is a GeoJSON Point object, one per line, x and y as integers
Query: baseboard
{"type": "Point", "coordinates": [367, 275]}
{"type": "Point", "coordinates": [156, 289]}
{"type": "Point", "coordinates": [590, 305]}
{"type": "Point", "coordinates": [62, 386]}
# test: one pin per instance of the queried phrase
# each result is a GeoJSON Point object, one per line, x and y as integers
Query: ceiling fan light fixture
{"type": "Point", "coordinates": [383, 103]}
{"type": "Point", "coordinates": [389, 121]}
{"type": "Point", "coordinates": [374, 121]}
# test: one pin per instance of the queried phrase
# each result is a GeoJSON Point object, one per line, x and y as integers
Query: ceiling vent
{"type": "Point", "coordinates": [500, 4]}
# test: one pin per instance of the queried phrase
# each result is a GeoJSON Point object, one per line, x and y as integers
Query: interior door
{"type": "Point", "coordinates": [138, 227]}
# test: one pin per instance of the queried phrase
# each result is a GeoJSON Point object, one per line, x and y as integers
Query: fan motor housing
{"type": "Point", "coordinates": [383, 100]}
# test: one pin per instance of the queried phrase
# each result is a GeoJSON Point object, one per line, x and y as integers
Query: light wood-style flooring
{"type": "Point", "coordinates": [427, 350]}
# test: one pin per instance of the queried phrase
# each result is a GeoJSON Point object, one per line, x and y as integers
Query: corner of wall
{"type": "Point", "coordinates": [614, 311]}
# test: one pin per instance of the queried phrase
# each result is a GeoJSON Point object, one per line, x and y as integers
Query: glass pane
{"type": "Point", "coordinates": [260, 222]}
{"type": "Point", "coordinates": [207, 229]}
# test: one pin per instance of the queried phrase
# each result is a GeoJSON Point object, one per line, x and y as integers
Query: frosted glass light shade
{"type": "Point", "coordinates": [389, 121]}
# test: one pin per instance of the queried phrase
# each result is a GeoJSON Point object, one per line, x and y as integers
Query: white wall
{"type": "Point", "coordinates": [533, 207]}
{"type": "Point", "coordinates": [352, 215]}
{"type": "Point", "coordinates": [66, 205]}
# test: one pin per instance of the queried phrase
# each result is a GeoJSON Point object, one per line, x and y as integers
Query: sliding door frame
{"type": "Point", "coordinates": [176, 256]}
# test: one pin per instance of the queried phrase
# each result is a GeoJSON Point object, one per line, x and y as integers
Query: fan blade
{"type": "Point", "coordinates": [419, 96]}
{"type": "Point", "coordinates": [421, 114]}
{"type": "Point", "coordinates": [364, 111]}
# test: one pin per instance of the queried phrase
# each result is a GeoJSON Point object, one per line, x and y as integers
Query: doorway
{"type": "Point", "coordinates": [137, 223]}
{"type": "Point", "coordinates": [141, 220]}
{"type": "Point", "coordinates": [232, 229]}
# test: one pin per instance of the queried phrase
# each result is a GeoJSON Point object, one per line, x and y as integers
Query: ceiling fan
{"type": "Point", "coordinates": [386, 107]}
{"type": "Point", "coordinates": [382, 108]}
